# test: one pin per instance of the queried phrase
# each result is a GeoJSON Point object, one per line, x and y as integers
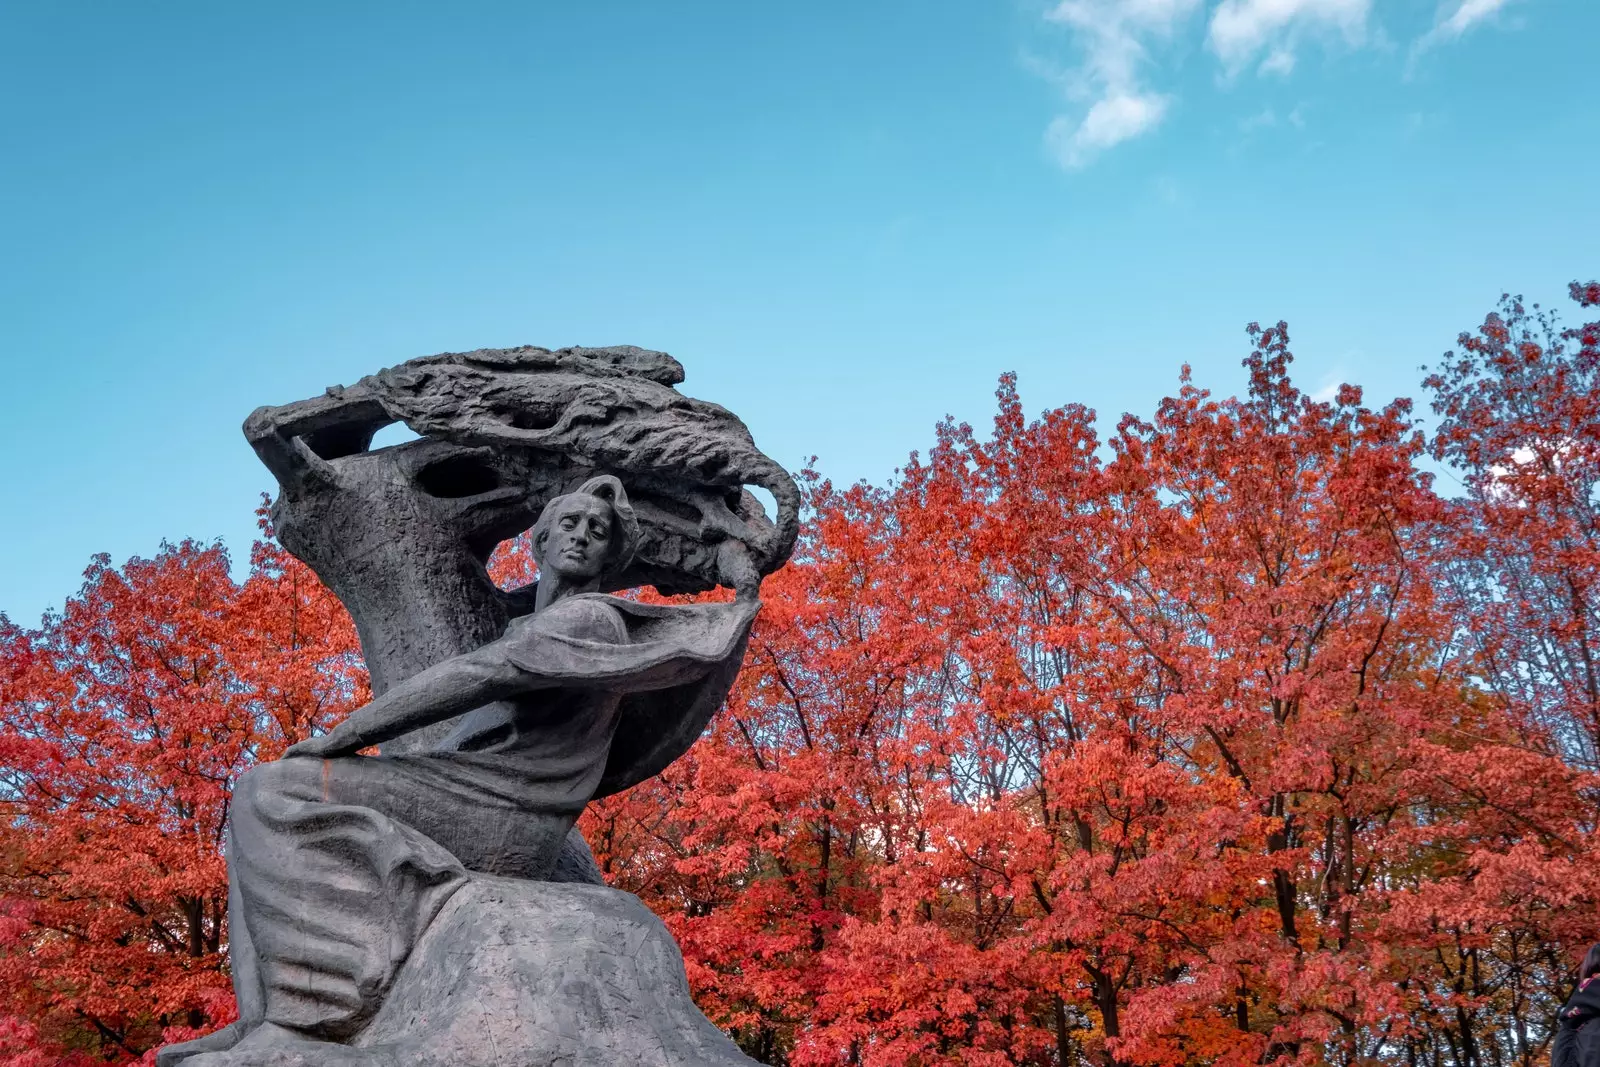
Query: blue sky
{"type": "Point", "coordinates": [847, 220]}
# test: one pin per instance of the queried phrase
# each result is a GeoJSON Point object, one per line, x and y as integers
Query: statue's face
{"type": "Point", "coordinates": [580, 538]}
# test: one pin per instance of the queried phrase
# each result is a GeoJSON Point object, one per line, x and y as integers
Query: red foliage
{"type": "Point", "coordinates": [1169, 749]}
{"type": "Point", "coordinates": [127, 718]}
{"type": "Point", "coordinates": [1226, 739]}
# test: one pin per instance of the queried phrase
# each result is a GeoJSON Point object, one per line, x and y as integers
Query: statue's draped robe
{"type": "Point", "coordinates": [337, 866]}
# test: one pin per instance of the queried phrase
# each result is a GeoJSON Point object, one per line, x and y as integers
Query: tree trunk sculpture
{"type": "Point", "coordinates": [402, 534]}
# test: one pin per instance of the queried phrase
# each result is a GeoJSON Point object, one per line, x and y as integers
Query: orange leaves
{"type": "Point", "coordinates": [1160, 753]}
{"type": "Point", "coordinates": [126, 719]}
{"type": "Point", "coordinates": [1224, 740]}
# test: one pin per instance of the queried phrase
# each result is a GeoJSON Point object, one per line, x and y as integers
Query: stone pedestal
{"type": "Point", "coordinates": [530, 974]}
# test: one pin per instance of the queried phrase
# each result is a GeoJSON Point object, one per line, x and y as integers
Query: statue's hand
{"type": "Point", "coordinates": [312, 746]}
{"type": "Point", "coordinates": [323, 746]}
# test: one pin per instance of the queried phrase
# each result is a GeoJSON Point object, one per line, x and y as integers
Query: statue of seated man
{"type": "Point", "coordinates": [338, 862]}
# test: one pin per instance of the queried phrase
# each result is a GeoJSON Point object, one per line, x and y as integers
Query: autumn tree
{"type": "Point", "coordinates": [1030, 747]}
{"type": "Point", "coordinates": [1519, 404]}
{"type": "Point", "coordinates": [127, 717]}
{"type": "Point", "coordinates": [1165, 749]}
{"type": "Point", "coordinates": [1517, 563]}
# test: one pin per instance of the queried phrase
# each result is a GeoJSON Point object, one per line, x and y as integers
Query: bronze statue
{"type": "Point", "coordinates": [340, 863]}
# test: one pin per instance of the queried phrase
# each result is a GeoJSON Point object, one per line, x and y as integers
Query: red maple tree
{"type": "Point", "coordinates": [128, 716]}
{"type": "Point", "coordinates": [1181, 753]}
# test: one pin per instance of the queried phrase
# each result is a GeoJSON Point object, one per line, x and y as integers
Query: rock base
{"type": "Point", "coordinates": [526, 974]}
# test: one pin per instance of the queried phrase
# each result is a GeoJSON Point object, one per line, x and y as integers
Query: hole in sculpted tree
{"type": "Point", "coordinates": [769, 503]}
{"type": "Point", "coordinates": [458, 476]}
{"type": "Point", "coordinates": [396, 433]}
{"type": "Point", "coordinates": [336, 442]}
{"type": "Point", "coordinates": [533, 418]}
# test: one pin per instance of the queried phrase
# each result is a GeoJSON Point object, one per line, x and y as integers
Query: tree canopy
{"type": "Point", "coordinates": [1263, 729]}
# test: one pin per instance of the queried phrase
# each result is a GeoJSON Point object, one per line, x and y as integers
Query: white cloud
{"type": "Point", "coordinates": [1453, 19]}
{"type": "Point", "coordinates": [1279, 61]}
{"type": "Point", "coordinates": [1241, 29]}
{"type": "Point", "coordinates": [1328, 386]}
{"type": "Point", "coordinates": [1113, 33]}
{"type": "Point", "coordinates": [1112, 120]}
{"type": "Point", "coordinates": [1112, 90]}
{"type": "Point", "coordinates": [1260, 120]}
{"type": "Point", "coordinates": [1467, 14]}
{"type": "Point", "coordinates": [1111, 103]}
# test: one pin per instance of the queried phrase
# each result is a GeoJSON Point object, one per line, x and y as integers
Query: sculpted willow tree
{"type": "Point", "coordinates": [402, 535]}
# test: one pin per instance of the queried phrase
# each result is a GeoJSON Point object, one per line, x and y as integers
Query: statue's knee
{"type": "Point", "coordinates": [281, 778]}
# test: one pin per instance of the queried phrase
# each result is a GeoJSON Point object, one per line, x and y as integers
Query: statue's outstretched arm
{"type": "Point", "coordinates": [443, 691]}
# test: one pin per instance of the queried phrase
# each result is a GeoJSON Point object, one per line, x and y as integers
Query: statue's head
{"type": "Point", "coordinates": [586, 535]}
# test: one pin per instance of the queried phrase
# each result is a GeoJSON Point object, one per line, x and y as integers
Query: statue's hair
{"type": "Point", "coordinates": [624, 523]}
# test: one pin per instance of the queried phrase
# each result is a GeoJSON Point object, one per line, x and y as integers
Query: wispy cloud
{"type": "Point", "coordinates": [1113, 89]}
{"type": "Point", "coordinates": [1111, 102]}
{"type": "Point", "coordinates": [1454, 18]}
{"type": "Point", "coordinates": [1467, 13]}
{"type": "Point", "coordinates": [1110, 121]}
{"type": "Point", "coordinates": [1260, 120]}
{"type": "Point", "coordinates": [1278, 61]}
{"type": "Point", "coordinates": [1169, 192]}
{"type": "Point", "coordinates": [1240, 30]}
{"type": "Point", "coordinates": [1328, 386]}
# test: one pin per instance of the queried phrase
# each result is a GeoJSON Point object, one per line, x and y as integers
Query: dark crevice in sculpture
{"type": "Point", "coordinates": [528, 419]}
{"type": "Point", "coordinates": [458, 476]}
{"type": "Point", "coordinates": [336, 442]}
